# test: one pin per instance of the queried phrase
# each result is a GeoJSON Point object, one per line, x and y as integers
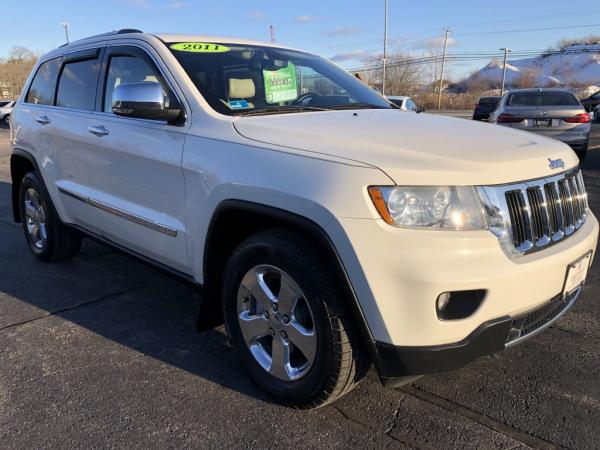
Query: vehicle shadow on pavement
{"type": "Point", "coordinates": [117, 297]}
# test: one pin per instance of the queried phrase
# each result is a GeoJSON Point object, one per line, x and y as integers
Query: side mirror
{"type": "Point", "coordinates": [145, 100]}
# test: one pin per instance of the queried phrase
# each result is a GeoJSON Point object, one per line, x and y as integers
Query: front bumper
{"type": "Point", "coordinates": [399, 274]}
{"type": "Point", "coordinates": [393, 362]}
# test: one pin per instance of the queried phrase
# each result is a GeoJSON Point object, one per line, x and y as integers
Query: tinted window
{"type": "Point", "coordinates": [596, 95]}
{"type": "Point", "coordinates": [542, 99]}
{"type": "Point", "coordinates": [2, 104]}
{"type": "Point", "coordinates": [77, 84]}
{"type": "Point", "coordinates": [396, 102]}
{"type": "Point", "coordinates": [488, 100]}
{"type": "Point", "coordinates": [44, 83]}
{"type": "Point", "coordinates": [124, 70]}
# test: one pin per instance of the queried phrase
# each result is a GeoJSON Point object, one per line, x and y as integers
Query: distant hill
{"type": "Point", "coordinates": [574, 66]}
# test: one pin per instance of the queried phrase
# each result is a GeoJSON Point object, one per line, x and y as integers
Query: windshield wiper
{"type": "Point", "coordinates": [280, 110]}
{"type": "Point", "coordinates": [357, 106]}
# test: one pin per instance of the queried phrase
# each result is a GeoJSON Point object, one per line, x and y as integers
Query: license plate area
{"type": "Point", "coordinates": [576, 274]}
{"type": "Point", "coordinates": [543, 123]}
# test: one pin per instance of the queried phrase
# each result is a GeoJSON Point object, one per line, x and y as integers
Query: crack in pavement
{"type": "Point", "coordinates": [73, 369]}
{"type": "Point", "coordinates": [575, 333]}
{"type": "Point", "coordinates": [71, 308]}
{"type": "Point", "coordinates": [493, 424]}
{"type": "Point", "coordinates": [368, 427]}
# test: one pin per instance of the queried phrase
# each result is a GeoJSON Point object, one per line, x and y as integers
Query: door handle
{"type": "Point", "coordinates": [98, 130]}
{"type": "Point", "coordinates": [43, 120]}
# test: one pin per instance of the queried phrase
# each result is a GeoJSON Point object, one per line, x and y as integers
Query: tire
{"type": "Point", "coordinates": [317, 375]}
{"type": "Point", "coordinates": [583, 151]}
{"type": "Point", "coordinates": [48, 239]}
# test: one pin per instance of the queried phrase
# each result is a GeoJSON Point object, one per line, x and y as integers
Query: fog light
{"type": "Point", "coordinates": [458, 304]}
{"type": "Point", "coordinates": [443, 300]}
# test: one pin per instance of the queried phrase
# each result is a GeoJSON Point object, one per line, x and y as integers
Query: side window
{"type": "Point", "coordinates": [410, 105]}
{"type": "Point", "coordinates": [124, 70]}
{"type": "Point", "coordinates": [41, 91]}
{"type": "Point", "coordinates": [77, 84]}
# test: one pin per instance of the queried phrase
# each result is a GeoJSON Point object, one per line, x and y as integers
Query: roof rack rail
{"type": "Point", "coordinates": [129, 30]}
{"type": "Point", "coordinates": [110, 33]}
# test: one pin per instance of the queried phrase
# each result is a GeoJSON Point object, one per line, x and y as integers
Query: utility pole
{"type": "Point", "coordinates": [442, 74]}
{"type": "Point", "coordinates": [272, 33]}
{"type": "Point", "coordinates": [385, 20]}
{"type": "Point", "coordinates": [505, 50]}
{"type": "Point", "coordinates": [65, 25]}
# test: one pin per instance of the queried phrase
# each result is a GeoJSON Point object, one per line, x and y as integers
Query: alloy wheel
{"type": "Point", "coordinates": [35, 218]}
{"type": "Point", "coordinates": [276, 322]}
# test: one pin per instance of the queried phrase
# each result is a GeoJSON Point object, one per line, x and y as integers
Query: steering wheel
{"type": "Point", "coordinates": [304, 97]}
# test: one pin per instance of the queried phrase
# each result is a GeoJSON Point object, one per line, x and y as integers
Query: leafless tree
{"type": "Point", "coordinates": [15, 69]}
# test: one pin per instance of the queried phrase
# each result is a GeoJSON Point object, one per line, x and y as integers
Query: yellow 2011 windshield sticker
{"type": "Point", "coordinates": [200, 47]}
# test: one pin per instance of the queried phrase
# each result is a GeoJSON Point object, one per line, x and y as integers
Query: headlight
{"type": "Point", "coordinates": [432, 207]}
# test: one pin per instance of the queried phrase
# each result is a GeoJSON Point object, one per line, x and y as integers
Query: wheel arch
{"type": "Point", "coordinates": [225, 234]}
{"type": "Point", "coordinates": [21, 163]}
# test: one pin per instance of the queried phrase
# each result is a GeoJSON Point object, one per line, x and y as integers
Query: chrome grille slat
{"type": "Point", "coordinates": [538, 213]}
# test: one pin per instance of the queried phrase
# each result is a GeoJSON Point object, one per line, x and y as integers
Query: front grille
{"type": "Point", "coordinates": [542, 212]}
{"type": "Point", "coordinates": [528, 323]}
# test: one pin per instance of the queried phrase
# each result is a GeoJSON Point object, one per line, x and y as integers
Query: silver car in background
{"type": "Point", "coordinates": [554, 113]}
{"type": "Point", "coordinates": [6, 108]}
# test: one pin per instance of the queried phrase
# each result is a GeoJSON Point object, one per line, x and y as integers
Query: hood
{"type": "Point", "coordinates": [414, 149]}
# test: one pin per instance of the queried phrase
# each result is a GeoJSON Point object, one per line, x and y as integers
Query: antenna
{"type": "Point", "coordinates": [65, 25]}
{"type": "Point", "coordinates": [272, 29]}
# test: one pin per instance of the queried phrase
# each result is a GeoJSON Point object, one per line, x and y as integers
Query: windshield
{"type": "Point", "coordinates": [246, 79]}
{"type": "Point", "coordinates": [542, 99]}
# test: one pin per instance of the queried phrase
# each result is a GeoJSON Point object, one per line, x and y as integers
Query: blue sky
{"type": "Point", "coordinates": [348, 31]}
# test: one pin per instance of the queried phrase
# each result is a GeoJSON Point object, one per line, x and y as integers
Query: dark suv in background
{"type": "Point", "coordinates": [591, 102]}
{"type": "Point", "coordinates": [484, 107]}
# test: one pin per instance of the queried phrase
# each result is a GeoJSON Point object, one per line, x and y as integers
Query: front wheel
{"type": "Point", "coordinates": [287, 322]}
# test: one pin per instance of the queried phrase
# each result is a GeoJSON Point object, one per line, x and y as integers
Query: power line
{"type": "Point", "coordinates": [471, 57]}
{"type": "Point", "coordinates": [523, 30]}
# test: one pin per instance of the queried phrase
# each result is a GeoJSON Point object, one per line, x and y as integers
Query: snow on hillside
{"type": "Point", "coordinates": [577, 64]}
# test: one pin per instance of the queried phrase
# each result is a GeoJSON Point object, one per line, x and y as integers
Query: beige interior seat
{"type": "Point", "coordinates": [242, 89]}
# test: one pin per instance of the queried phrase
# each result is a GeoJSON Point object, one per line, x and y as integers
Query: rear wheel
{"type": "Point", "coordinates": [287, 322]}
{"type": "Point", "coordinates": [47, 237]}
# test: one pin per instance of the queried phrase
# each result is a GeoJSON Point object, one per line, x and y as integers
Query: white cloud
{"type": "Point", "coordinates": [436, 42]}
{"type": "Point", "coordinates": [342, 31]}
{"type": "Point", "coordinates": [356, 55]}
{"type": "Point", "coordinates": [257, 15]}
{"type": "Point", "coordinates": [307, 18]}
{"type": "Point", "coordinates": [141, 4]}
{"type": "Point", "coordinates": [178, 5]}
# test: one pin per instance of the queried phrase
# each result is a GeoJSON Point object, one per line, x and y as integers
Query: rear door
{"type": "Point", "coordinates": [135, 186]}
{"type": "Point", "coordinates": [52, 120]}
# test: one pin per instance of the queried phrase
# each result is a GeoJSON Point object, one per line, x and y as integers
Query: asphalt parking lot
{"type": "Point", "coordinates": [102, 352]}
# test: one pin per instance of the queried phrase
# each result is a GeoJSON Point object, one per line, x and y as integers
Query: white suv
{"type": "Point", "coordinates": [328, 231]}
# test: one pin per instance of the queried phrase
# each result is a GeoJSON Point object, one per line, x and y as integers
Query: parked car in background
{"type": "Point", "coordinates": [591, 102]}
{"type": "Point", "coordinates": [404, 103]}
{"type": "Point", "coordinates": [6, 108]}
{"type": "Point", "coordinates": [597, 114]}
{"type": "Point", "coordinates": [484, 107]}
{"type": "Point", "coordinates": [555, 113]}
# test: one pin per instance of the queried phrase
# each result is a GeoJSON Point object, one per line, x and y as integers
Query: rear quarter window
{"type": "Point", "coordinates": [41, 91]}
